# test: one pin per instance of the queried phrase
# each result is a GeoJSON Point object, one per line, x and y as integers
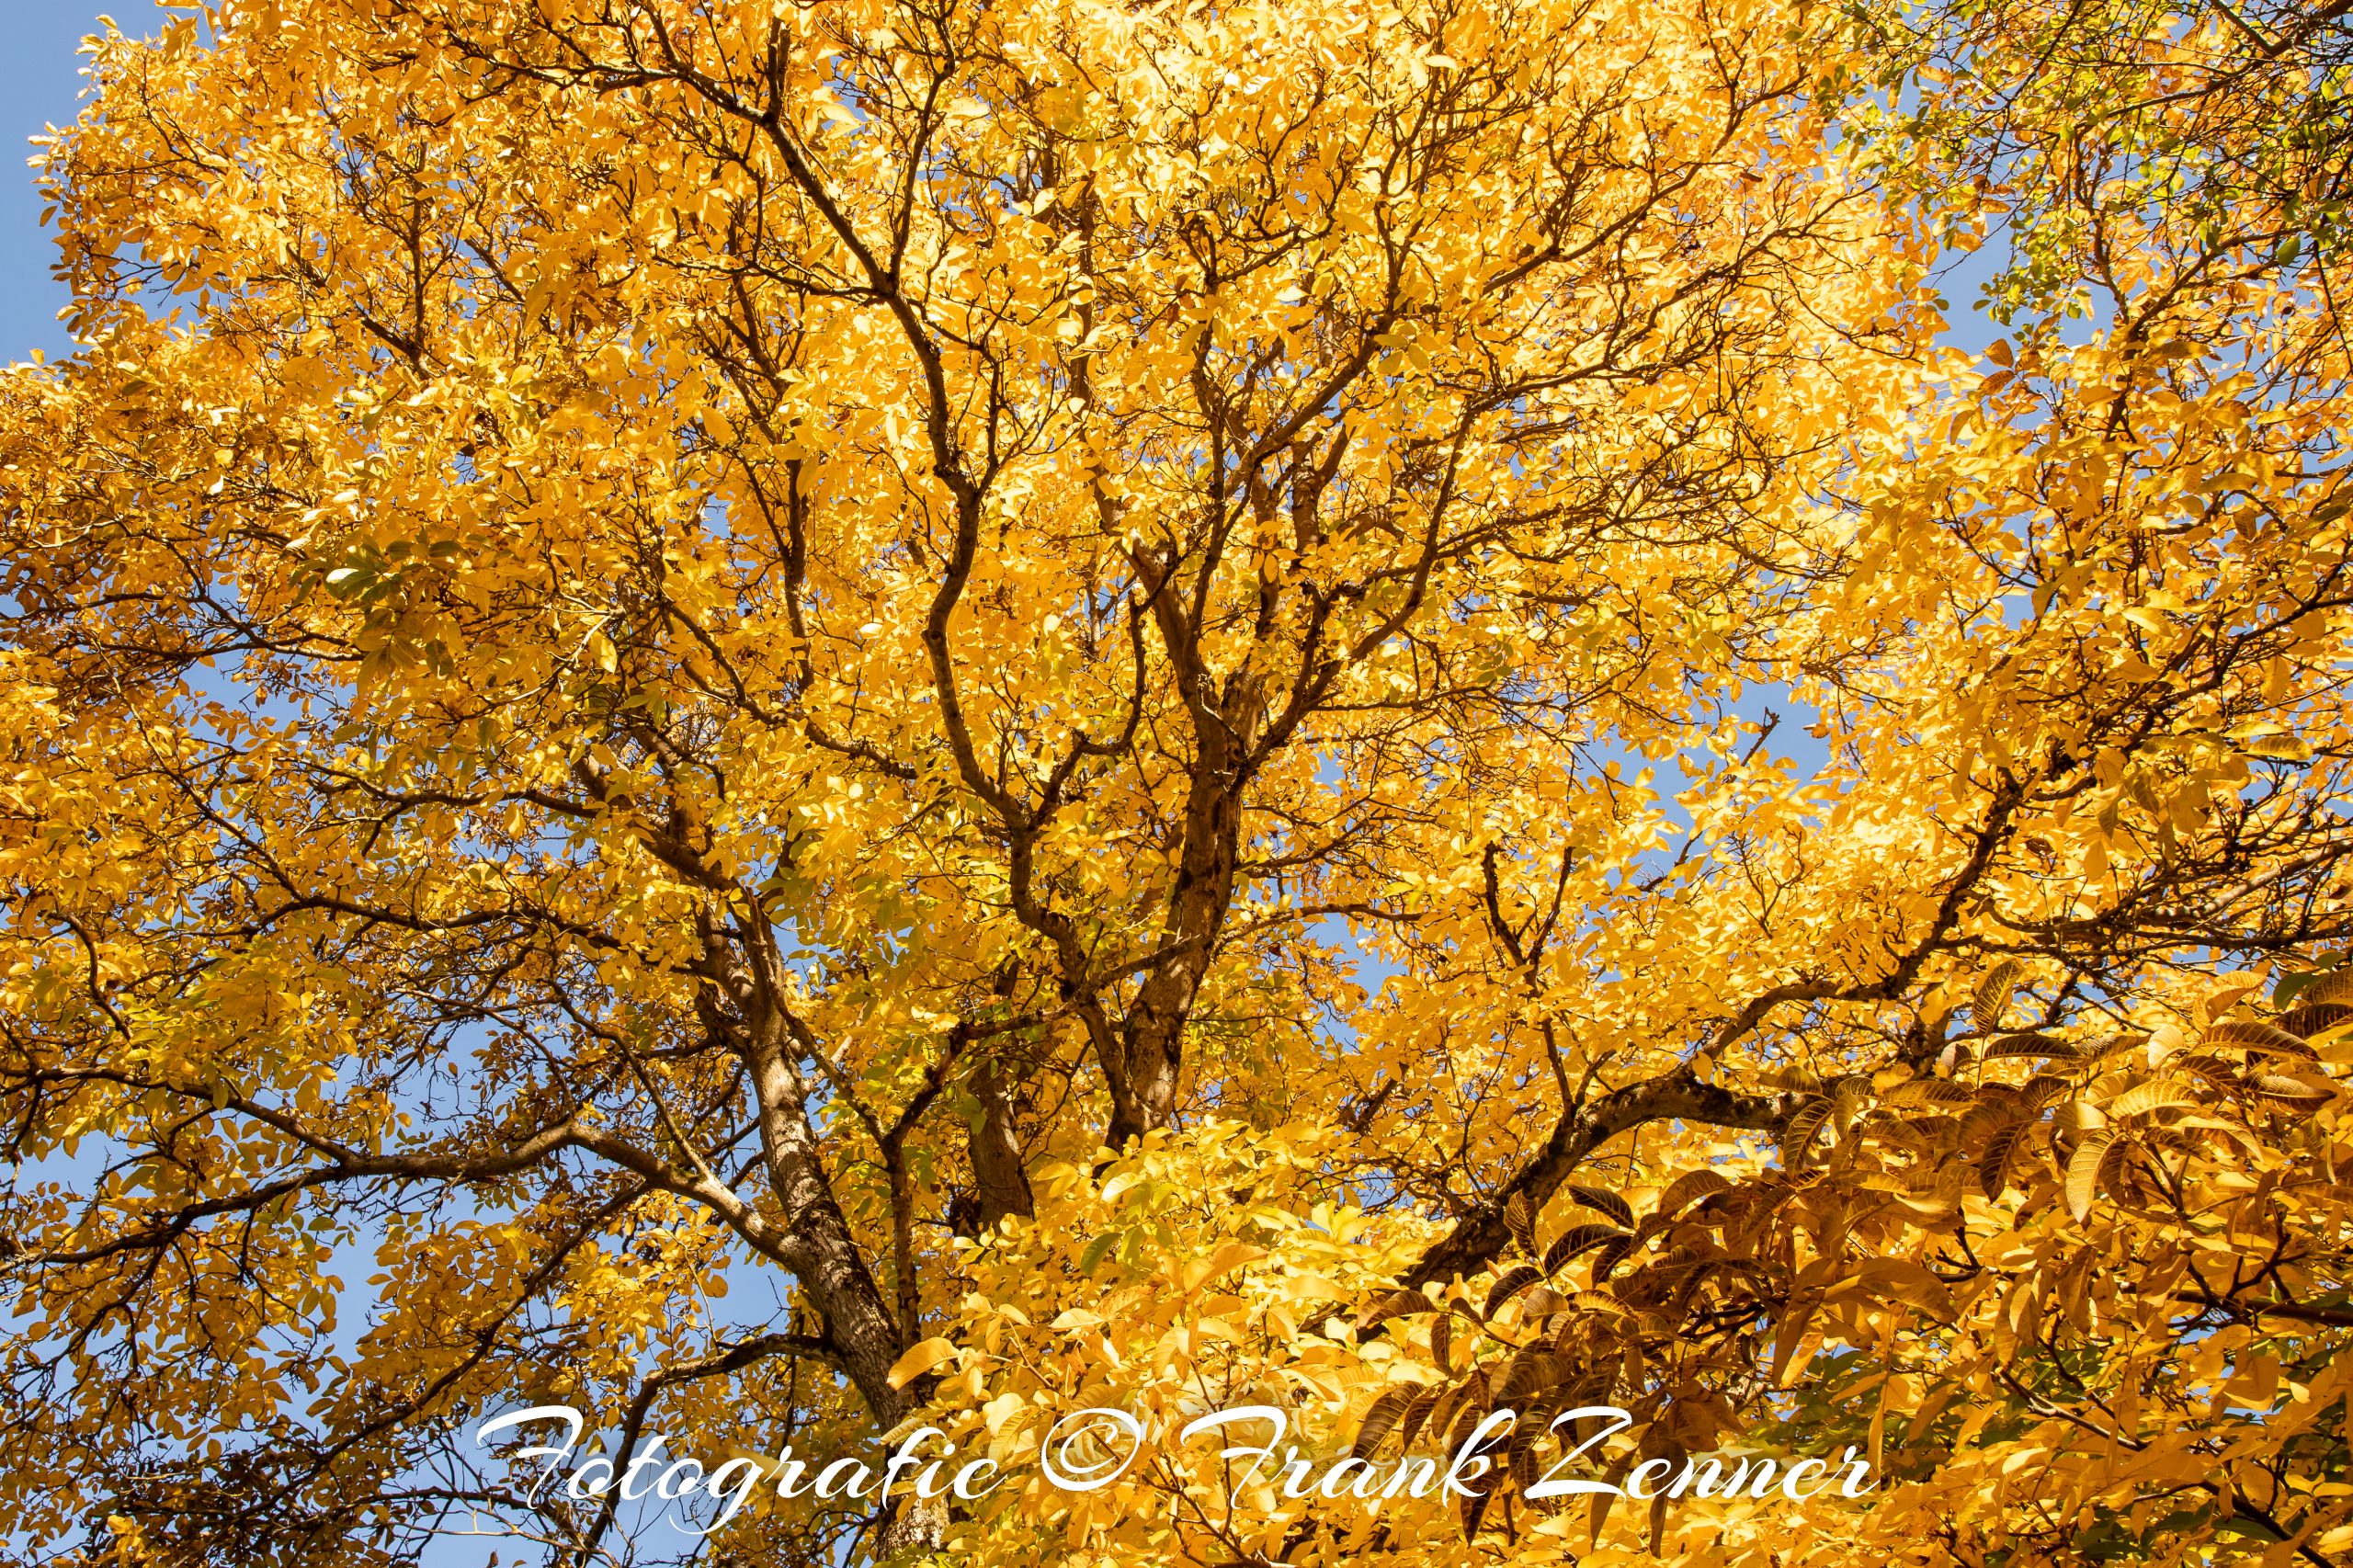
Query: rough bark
{"type": "Point", "coordinates": [819, 1246]}
{"type": "Point", "coordinates": [1000, 1184]}
{"type": "Point", "coordinates": [1143, 1073]}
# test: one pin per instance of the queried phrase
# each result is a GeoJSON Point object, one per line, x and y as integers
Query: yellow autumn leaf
{"type": "Point", "coordinates": [919, 1359]}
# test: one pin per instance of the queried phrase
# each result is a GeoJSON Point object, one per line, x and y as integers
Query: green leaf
{"type": "Point", "coordinates": [1096, 1250]}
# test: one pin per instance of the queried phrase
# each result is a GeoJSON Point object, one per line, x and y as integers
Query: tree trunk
{"type": "Point", "coordinates": [1000, 1184]}
{"type": "Point", "coordinates": [1143, 1080]}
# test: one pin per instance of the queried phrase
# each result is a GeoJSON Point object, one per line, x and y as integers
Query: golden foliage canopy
{"type": "Point", "coordinates": [808, 717]}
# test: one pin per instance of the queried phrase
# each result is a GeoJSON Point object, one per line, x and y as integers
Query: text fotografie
{"type": "Point", "coordinates": [1090, 1448]}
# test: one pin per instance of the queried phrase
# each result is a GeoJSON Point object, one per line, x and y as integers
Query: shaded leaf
{"type": "Point", "coordinates": [1902, 1279]}
{"type": "Point", "coordinates": [1929, 1091]}
{"type": "Point", "coordinates": [1418, 1411]}
{"type": "Point", "coordinates": [1577, 1240]}
{"type": "Point", "coordinates": [1604, 1202]}
{"type": "Point", "coordinates": [2293, 1093]}
{"type": "Point", "coordinates": [2213, 1069]}
{"type": "Point", "coordinates": [1513, 1281]}
{"type": "Point", "coordinates": [2157, 1093]}
{"type": "Point", "coordinates": [1994, 1165]}
{"type": "Point", "coordinates": [2083, 1170]}
{"type": "Point", "coordinates": [1608, 1257]}
{"type": "Point", "coordinates": [1380, 1418]}
{"type": "Point", "coordinates": [1803, 1123]}
{"type": "Point", "coordinates": [1789, 1330]}
{"type": "Point", "coordinates": [1474, 1507]}
{"type": "Point", "coordinates": [2042, 1090]}
{"type": "Point", "coordinates": [2315, 1017]}
{"type": "Point", "coordinates": [1992, 997]}
{"type": "Point", "coordinates": [1688, 1188]}
{"type": "Point", "coordinates": [2106, 1046]}
{"type": "Point", "coordinates": [1519, 1218]}
{"type": "Point", "coordinates": [2251, 1036]}
{"type": "Point", "coordinates": [2028, 1044]}
{"type": "Point", "coordinates": [1397, 1304]}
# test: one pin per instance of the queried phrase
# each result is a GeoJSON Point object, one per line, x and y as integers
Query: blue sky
{"type": "Point", "coordinates": [39, 77]}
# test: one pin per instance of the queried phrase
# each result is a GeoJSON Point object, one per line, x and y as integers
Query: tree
{"type": "Point", "coordinates": [999, 677]}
